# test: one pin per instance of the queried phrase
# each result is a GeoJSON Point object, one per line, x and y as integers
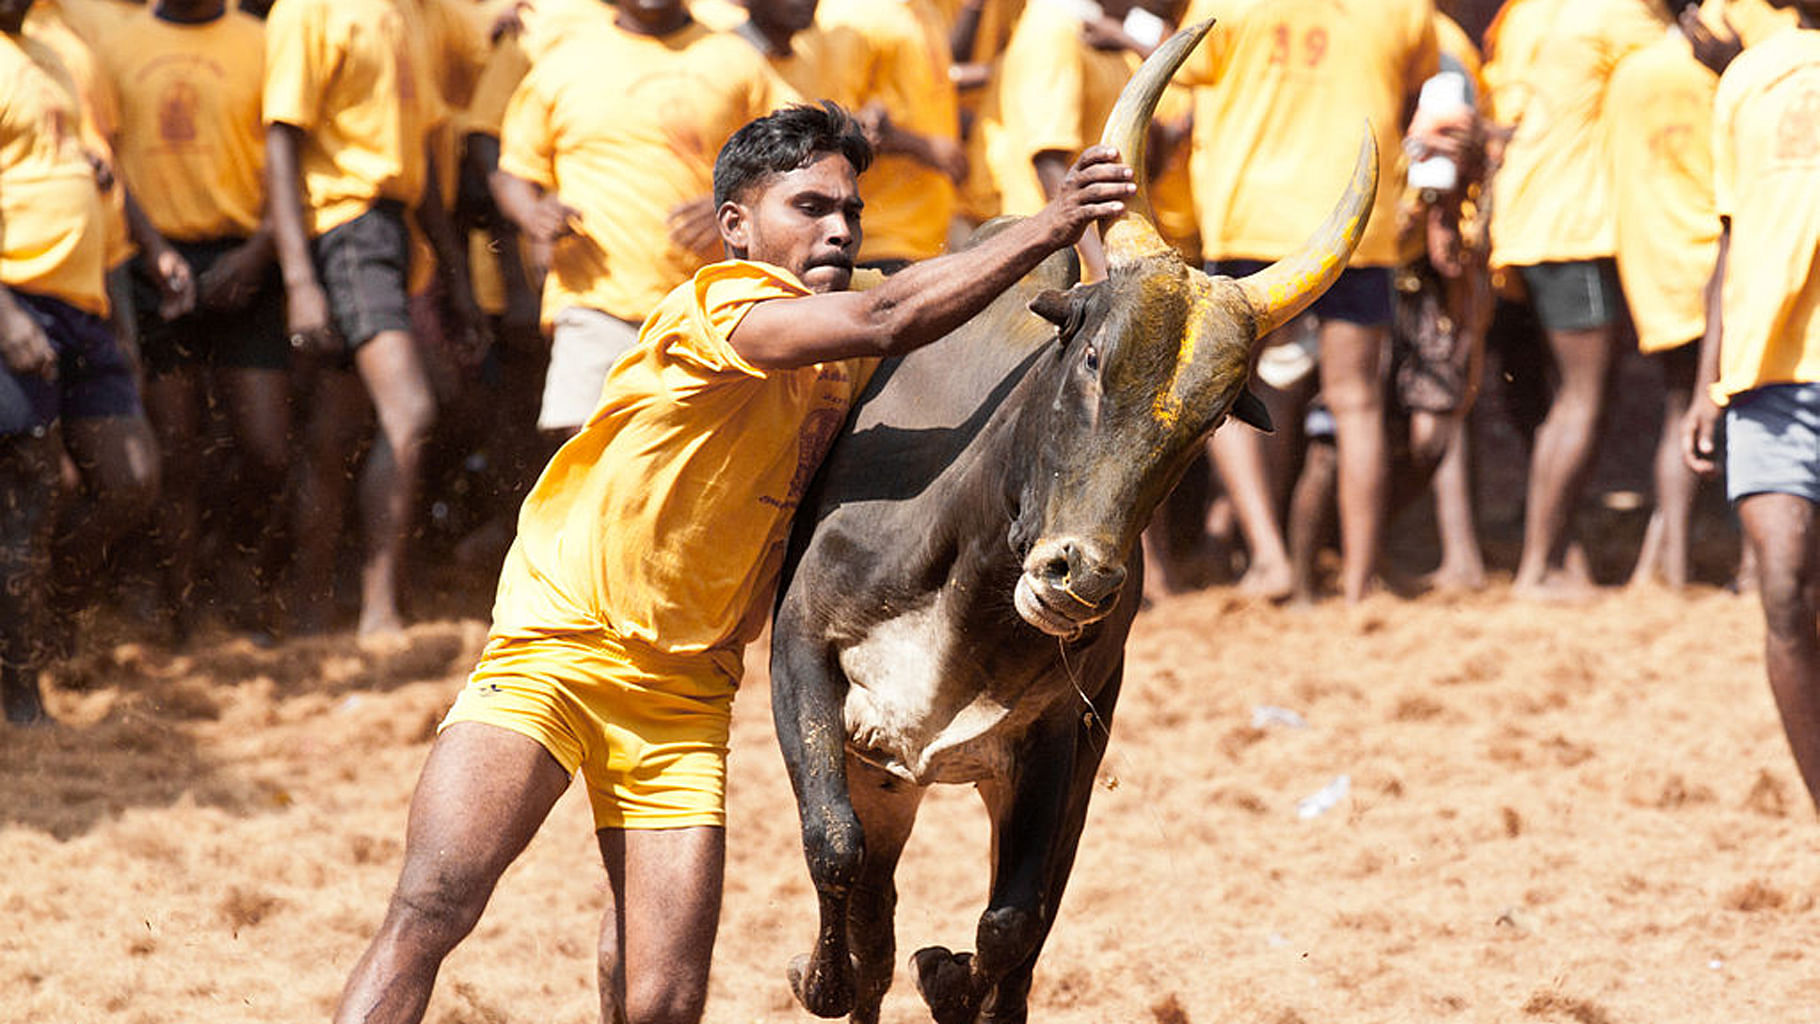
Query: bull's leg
{"type": "Point", "coordinates": [1036, 827]}
{"type": "Point", "coordinates": [887, 809]}
{"type": "Point", "coordinates": [807, 692]}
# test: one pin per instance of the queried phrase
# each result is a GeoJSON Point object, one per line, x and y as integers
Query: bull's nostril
{"type": "Point", "coordinates": [1054, 570]}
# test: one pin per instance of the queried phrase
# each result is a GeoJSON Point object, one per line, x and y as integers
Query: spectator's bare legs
{"type": "Point", "coordinates": [117, 459]}
{"type": "Point", "coordinates": [1462, 563]}
{"type": "Point", "coordinates": [334, 424]}
{"type": "Point", "coordinates": [1664, 556]}
{"type": "Point", "coordinates": [396, 380]}
{"type": "Point", "coordinates": [483, 793]}
{"type": "Point", "coordinates": [1352, 385]}
{"type": "Point", "coordinates": [1311, 513]}
{"type": "Point", "coordinates": [1563, 453]}
{"type": "Point", "coordinates": [173, 403]}
{"type": "Point", "coordinates": [259, 407]}
{"type": "Point", "coordinates": [28, 491]}
{"type": "Point", "coordinates": [1780, 529]}
{"type": "Point", "coordinates": [1238, 454]}
{"type": "Point", "coordinates": [658, 936]}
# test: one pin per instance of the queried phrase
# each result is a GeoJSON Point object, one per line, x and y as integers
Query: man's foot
{"type": "Point", "coordinates": [1452, 578]}
{"type": "Point", "coordinates": [1556, 588]}
{"type": "Point", "coordinates": [1270, 581]}
{"type": "Point", "coordinates": [382, 632]}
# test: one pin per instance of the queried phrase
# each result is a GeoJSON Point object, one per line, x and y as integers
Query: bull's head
{"type": "Point", "coordinates": [1152, 359]}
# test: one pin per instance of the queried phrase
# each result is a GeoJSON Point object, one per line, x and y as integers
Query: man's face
{"type": "Point", "coordinates": [651, 13]}
{"type": "Point", "coordinates": [790, 15]}
{"type": "Point", "coordinates": [806, 221]}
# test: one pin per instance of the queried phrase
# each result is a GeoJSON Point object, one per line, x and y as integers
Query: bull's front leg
{"type": "Point", "coordinates": [807, 694]}
{"type": "Point", "coordinates": [1037, 819]}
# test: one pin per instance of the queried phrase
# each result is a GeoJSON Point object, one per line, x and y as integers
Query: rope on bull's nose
{"type": "Point", "coordinates": [1092, 717]}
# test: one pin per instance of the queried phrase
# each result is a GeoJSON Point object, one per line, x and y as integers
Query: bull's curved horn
{"type": "Point", "coordinates": [1132, 236]}
{"type": "Point", "coordinates": [1285, 288]}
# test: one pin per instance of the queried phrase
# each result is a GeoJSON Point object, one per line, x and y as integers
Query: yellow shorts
{"type": "Point", "coordinates": [648, 734]}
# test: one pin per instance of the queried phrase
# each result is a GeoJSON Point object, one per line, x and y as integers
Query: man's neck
{"type": "Point", "coordinates": [770, 41]}
{"type": "Point", "coordinates": [190, 11]}
{"type": "Point", "coordinates": [631, 23]}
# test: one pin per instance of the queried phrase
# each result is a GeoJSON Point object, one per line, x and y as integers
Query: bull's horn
{"type": "Point", "coordinates": [1132, 236]}
{"type": "Point", "coordinates": [1285, 288]}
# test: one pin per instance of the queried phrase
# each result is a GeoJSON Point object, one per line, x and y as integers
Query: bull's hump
{"type": "Point", "coordinates": [917, 707]}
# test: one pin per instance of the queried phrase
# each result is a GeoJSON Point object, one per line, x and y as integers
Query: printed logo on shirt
{"type": "Point", "coordinates": [177, 114]}
{"type": "Point", "coordinates": [1798, 132]}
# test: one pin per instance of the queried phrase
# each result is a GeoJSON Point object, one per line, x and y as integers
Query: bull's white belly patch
{"type": "Point", "coordinates": [916, 707]}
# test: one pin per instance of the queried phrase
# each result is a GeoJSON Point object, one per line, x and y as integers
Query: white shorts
{"type": "Point", "coordinates": [586, 344]}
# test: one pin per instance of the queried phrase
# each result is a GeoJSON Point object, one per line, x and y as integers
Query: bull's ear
{"type": "Point", "coordinates": [1054, 306]}
{"type": "Point", "coordinates": [1249, 408]}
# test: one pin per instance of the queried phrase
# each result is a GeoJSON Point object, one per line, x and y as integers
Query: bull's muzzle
{"type": "Point", "coordinates": [1068, 584]}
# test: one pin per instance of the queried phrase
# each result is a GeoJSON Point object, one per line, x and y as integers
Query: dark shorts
{"type": "Point", "coordinates": [365, 269]}
{"type": "Point", "coordinates": [1579, 295]}
{"type": "Point", "coordinates": [1772, 442]}
{"type": "Point", "coordinates": [1361, 296]}
{"type": "Point", "coordinates": [249, 338]}
{"type": "Point", "coordinates": [94, 380]}
{"type": "Point", "coordinates": [1430, 356]}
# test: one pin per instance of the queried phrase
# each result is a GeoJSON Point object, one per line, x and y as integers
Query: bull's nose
{"type": "Point", "coordinates": [1076, 570]}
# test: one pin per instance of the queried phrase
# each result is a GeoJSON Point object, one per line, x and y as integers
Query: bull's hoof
{"type": "Point", "coordinates": [945, 979]}
{"type": "Point", "coordinates": [825, 993]}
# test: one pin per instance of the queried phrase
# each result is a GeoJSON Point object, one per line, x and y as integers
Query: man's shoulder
{"type": "Point", "coordinates": [1758, 65]}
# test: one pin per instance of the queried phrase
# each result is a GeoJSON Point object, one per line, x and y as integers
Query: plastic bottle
{"type": "Point", "coordinates": [1443, 96]}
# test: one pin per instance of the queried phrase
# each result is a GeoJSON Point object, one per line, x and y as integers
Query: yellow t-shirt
{"type": "Point", "coordinates": [100, 112]}
{"type": "Point", "coordinates": [908, 204]}
{"type": "Point", "coordinates": [52, 227]}
{"type": "Point", "coordinates": [1554, 190]}
{"type": "Point", "coordinates": [191, 145]}
{"type": "Point", "coordinates": [354, 76]}
{"type": "Point", "coordinates": [625, 128]}
{"type": "Point", "coordinates": [663, 522]}
{"type": "Point", "coordinates": [1662, 164]}
{"type": "Point", "coordinates": [1766, 179]}
{"type": "Point", "coordinates": [95, 20]}
{"type": "Point", "coordinates": [1282, 92]}
{"type": "Point", "coordinates": [823, 63]}
{"type": "Point", "coordinates": [1513, 42]}
{"type": "Point", "coordinates": [1755, 20]}
{"type": "Point", "coordinates": [1052, 92]}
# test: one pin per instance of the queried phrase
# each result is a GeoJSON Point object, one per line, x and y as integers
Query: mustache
{"type": "Point", "coordinates": [834, 259]}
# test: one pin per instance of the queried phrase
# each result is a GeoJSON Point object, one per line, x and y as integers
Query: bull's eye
{"type": "Point", "coordinates": [1091, 358]}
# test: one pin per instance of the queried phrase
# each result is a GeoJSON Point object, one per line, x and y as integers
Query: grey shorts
{"type": "Point", "coordinates": [1772, 442]}
{"type": "Point", "coordinates": [365, 269]}
{"type": "Point", "coordinates": [1578, 295]}
{"type": "Point", "coordinates": [584, 346]}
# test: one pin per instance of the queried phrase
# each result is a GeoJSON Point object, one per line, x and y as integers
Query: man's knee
{"type": "Point", "coordinates": [436, 905]}
{"type": "Point", "coordinates": [664, 1001]}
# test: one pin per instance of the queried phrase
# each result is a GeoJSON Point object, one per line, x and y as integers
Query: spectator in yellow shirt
{"type": "Point", "coordinates": [644, 565]}
{"type": "Point", "coordinates": [350, 102]}
{"type": "Point", "coordinates": [1760, 359]}
{"type": "Point", "coordinates": [188, 75]}
{"type": "Point", "coordinates": [1325, 68]}
{"type": "Point", "coordinates": [606, 160]}
{"type": "Point", "coordinates": [66, 384]}
{"type": "Point", "coordinates": [1554, 223]}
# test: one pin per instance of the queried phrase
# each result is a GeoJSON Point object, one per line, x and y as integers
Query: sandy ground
{"type": "Point", "coordinates": [1582, 814]}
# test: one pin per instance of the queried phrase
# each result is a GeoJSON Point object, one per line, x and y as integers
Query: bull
{"type": "Point", "coordinates": [960, 580]}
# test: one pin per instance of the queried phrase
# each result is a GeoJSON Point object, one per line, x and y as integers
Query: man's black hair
{"type": "Point", "coordinates": [784, 141]}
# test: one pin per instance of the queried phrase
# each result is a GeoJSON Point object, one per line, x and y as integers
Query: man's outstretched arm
{"type": "Point", "coordinates": [927, 300]}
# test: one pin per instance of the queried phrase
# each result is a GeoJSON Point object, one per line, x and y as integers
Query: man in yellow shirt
{"type": "Point", "coordinates": [910, 192]}
{"type": "Point", "coordinates": [1554, 223]}
{"type": "Point", "coordinates": [606, 159]}
{"type": "Point", "coordinates": [350, 103]}
{"type": "Point", "coordinates": [646, 560]}
{"type": "Point", "coordinates": [66, 385]}
{"type": "Point", "coordinates": [1760, 359]}
{"type": "Point", "coordinates": [187, 76]}
{"type": "Point", "coordinates": [1323, 66]}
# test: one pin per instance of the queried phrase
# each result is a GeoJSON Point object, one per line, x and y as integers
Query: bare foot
{"type": "Point", "coordinates": [382, 634]}
{"type": "Point", "coordinates": [1270, 582]}
{"type": "Point", "coordinates": [1456, 579]}
{"type": "Point", "coordinates": [1556, 588]}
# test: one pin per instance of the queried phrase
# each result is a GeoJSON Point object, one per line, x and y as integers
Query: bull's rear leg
{"type": "Point", "coordinates": [887, 807]}
{"type": "Point", "coordinates": [807, 692]}
{"type": "Point", "coordinates": [1036, 829]}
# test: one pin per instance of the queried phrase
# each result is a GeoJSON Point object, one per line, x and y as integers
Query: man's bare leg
{"type": "Point", "coordinates": [1564, 447]}
{"type": "Point", "coordinates": [1664, 555]}
{"type": "Point", "coordinates": [259, 407]}
{"type": "Point", "coordinates": [1238, 453]}
{"type": "Point", "coordinates": [1311, 514]}
{"type": "Point", "coordinates": [335, 423]}
{"type": "Point", "coordinates": [1780, 529]}
{"type": "Point", "coordinates": [173, 404]}
{"type": "Point", "coordinates": [1462, 563]}
{"type": "Point", "coordinates": [116, 458]}
{"type": "Point", "coordinates": [1352, 359]}
{"type": "Point", "coordinates": [483, 793]}
{"type": "Point", "coordinates": [658, 936]}
{"type": "Point", "coordinates": [395, 378]}
{"type": "Point", "coordinates": [28, 496]}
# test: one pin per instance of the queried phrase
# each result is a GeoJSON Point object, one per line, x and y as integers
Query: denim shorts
{"type": "Point", "coordinates": [1578, 295]}
{"type": "Point", "coordinates": [1772, 442]}
{"type": "Point", "coordinates": [365, 269]}
{"type": "Point", "coordinates": [94, 380]}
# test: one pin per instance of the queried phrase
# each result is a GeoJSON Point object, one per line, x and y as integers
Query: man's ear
{"type": "Point", "coordinates": [733, 222]}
